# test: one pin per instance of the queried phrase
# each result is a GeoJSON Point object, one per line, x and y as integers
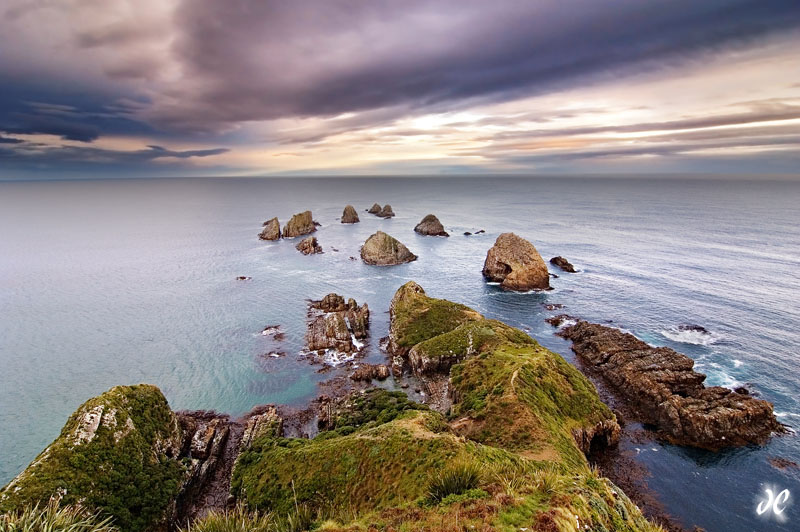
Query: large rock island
{"type": "Point", "coordinates": [271, 231]}
{"type": "Point", "coordinates": [430, 226]}
{"type": "Point", "coordinates": [384, 250]}
{"type": "Point", "coordinates": [300, 224]}
{"type": "Point", "coordinates": [349, 215]}
{"type": "Point", "coordinates": [516, 265]}
{"type": "Point", "coordinates": [663, 389]}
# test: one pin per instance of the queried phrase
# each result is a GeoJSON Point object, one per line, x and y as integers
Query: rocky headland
{"type": "Point", "coordinates": [515, 264]}
{"type": "Point", "coordinates": [430, 226]}
{"type": "Point", "coordinates": [381, 249]}
{"type": "Point", "coordinates": [300, 224]}
{"type": "Point", "coordinates": [662, 388]}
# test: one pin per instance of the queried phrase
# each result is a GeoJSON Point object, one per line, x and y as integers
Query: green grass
{"type": "Point", "coordinates": [54, 518]}
{"type": "Point", "coordinates": [123, 472]}
{"type": "Point", "coordinates": [456, 479]}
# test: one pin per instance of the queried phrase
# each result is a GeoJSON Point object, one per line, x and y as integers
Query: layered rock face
{"type": "Point", "coordinates": [431, 226]}
{"type": "Point", "coordinates": [368, 372]}
{"type": "Point", "coordinates": [349, 216]}
{"type": "Point", "coordinates": [386, 212]}
{"type": "Point", "coordinates": [383, 250]}
{"type": "Point", "coordinates": [563, 263]}
{"type": "Point", "coordinates": [118, 453]}
{"type": "Point", "coordinates": [504, 388]}
{"type": "Point", "coordinates": [515, 264]}
{"type": "Point", "coordinates": [662, 387]}
{"type": "Point", "coordinates": [300, 224]}
{"type": "Point", "coordinates": [309, 246]}
{"type": "Point", "coordinates": [336, 325]}
{"type": "Point", "coordinates": [271, 231]}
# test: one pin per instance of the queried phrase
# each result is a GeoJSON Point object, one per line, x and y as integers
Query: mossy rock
{"type": "Point", "coordinates": [117, 454]}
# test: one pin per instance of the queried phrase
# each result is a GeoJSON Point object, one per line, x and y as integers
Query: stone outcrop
{"type": "Point", "coordinates": [384, 250]}
{"type": "Point", "coordinates": [375, 209]}
{"type": "Point", "coordinates": [563, 263]}
{"type": "Point", "coordinates": [516, 265]}
{"type": "Point", "coordinates": [386, 212]}
{"type": "Point", "coordinates": [661, 386]}
{"type": "Point", "coordinates": [263, 421]}
{"type": "Point", "coordinates": [431, 226]}
{"type": "Point", "coordinates": [496, 381]}
{"type": "Point", "coordinates": [309, 246]}
{"type": "Point", "coordinates": [368, 372]}
{"type": "Point", "coordinates": [337, 325]}
{"type": "Point", "coordinates": [271, 231]}
{"type": "Point", "coordinates": [300, 224]}
{"type": "Point", "coordinates": [349, 216]}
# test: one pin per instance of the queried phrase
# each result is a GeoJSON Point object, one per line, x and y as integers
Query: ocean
{"type": "Point", "coordinates": [107, 282]}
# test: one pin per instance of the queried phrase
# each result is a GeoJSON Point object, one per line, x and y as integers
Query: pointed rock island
{"type": "Point", "coordinates": [381, 249]}
{"type": "Point", "coordinates": [386, 212]}
{"type": "Point", "coordinates": [375, 209]}
{"type": "Point", "coordinates": [309, 246]}
{"type": "Point", "coordinates": [349, 216]}
{"type": "Point", "coordinates": [516, 265]}
{"type": "Point", "coordinates": [300, 224]}
{"type": "Point", "coordinates": [271, 231]}
{"type": "Point", "coordinates": [431, 226]}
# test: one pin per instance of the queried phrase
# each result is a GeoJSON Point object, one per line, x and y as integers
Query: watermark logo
{"type": "Point", "coordinates": [773, 503]}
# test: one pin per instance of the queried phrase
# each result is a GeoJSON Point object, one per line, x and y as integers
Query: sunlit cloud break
{"type": "Point", "coordinates": [253, 87]}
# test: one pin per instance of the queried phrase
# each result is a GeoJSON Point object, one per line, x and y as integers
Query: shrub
{"type": "Point", "coordinates": [455, 480]}
{"type": "Point", "coordinates": [54, 518]}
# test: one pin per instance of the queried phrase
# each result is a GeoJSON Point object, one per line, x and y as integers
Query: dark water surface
{"type": "Point", "coordinates": [119, 282]}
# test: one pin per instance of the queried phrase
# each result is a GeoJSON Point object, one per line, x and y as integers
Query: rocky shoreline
{"type": "Point", "coordinates": [488, 396]}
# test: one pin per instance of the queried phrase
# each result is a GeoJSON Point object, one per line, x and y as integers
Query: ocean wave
{"type": "Point", "coordinates": [690, 335]}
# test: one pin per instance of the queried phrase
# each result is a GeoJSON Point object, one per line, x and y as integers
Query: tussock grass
{"type": "Point", "coordinates": [456, 479]}
{"type": "Point", "coordinates": [54, 518]}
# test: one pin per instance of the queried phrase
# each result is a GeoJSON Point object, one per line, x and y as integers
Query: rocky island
{"type": "Point", "coordinates": [516, 265]}
{"type": "Point", "coordinates": [337, 325]}
{"type": "Point", "coordinates": [663, 389]}
{"type": "Point", "coordinates": [349, 215]}
{"type": "Point", "coordinates": [430, 226]}
{"type": "Point", "coordinates": [271, 231]}
{"type": "Point", "coordinates": [309, 246]}
{"type": "Point", "coordinates": [386, 212]}
{"type": "Point", "coordinates": [563, 263]}
{"type": "Point", "coordinates": [299, 225]}
{"type": "Point", "coordinates": [384, 250]}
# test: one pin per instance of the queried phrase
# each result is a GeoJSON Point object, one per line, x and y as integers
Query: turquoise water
{"type": "Point", "coordinates": [118, 282]}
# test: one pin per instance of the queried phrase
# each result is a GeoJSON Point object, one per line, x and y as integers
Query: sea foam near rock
{"type": "Point", "coordinates": [690, 335]}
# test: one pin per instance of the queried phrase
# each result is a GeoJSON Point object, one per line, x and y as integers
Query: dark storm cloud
{"type": "Point", "coordinates": [70, 154]}
{"type": "Point", "coordinates": [255, 60]}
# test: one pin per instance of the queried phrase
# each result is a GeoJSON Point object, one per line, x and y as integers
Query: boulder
{"type": "Point", "coordinates": [515, 264]}
{"type": "Point", "coordinates": [375, 209]}
{"type": "Point", "coordinates": [368, 372]}
{"type": "Point", "coordinates": [662, 388]}
{"type": "Point", "coordinates": [384, 250]}
{"type": "Point", "coordinates": [300, 224]}
{"type": "Point", "coordinates": [386, 212]}
{"type": "Point", "coordinates": [349, 216]}
{"type": "Point", "coordinates": [563, 263]}
{"type": "Point", "coordinates": [271, 231]}
{"type": "Point", "coordinates": [431, 226]}
{"type": "Point", "coordinates": [309, 246]}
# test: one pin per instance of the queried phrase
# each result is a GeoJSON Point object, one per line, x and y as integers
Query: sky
{"type": "Point", "coordinates": [150, 88]}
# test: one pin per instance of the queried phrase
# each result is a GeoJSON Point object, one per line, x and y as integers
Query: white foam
{"type": "Point", "coordinates": [335, 358]}
{"type": "Point", "coordinates": [737, 363]}
{"type": "Point", "coordinates": [689, 336]}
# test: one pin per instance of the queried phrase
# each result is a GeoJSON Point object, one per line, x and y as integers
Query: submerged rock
{"type": "Point", "coordinates": [384, 250]}
{"type": "Point", "coordinates": [662, 387]}
{"type": "Point", "coordinates": [386, 212]}
{"type": "Point", "coordinates": [375, 209]}
{"type": "Point", "coordinates": [563, 263]}
{"type": "Point", "coordinates": [431, 226]}
{"type": "Point", "coordinates": [337, 325]}
{"type": "Point", "coordinates": [349, 216]}
{"type": "Point", "coordinates": [515, 264]}
{"type": "Point", "coordinates": [309, 246]}
{"type": "Point", "coordinates": [271, 231]}
{"type": "Point", "coordinates": [300, 224]}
